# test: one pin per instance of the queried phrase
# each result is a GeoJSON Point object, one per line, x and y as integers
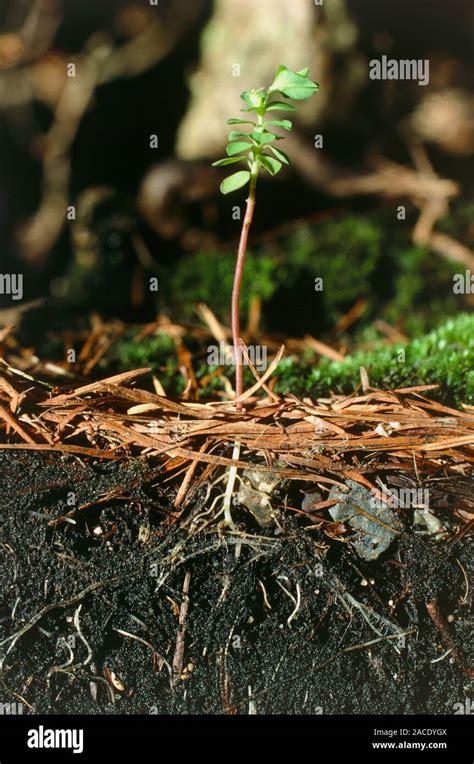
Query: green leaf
{"type": "Point", "coordinates": [279, 71]}
{"type": "Point", "coordinates": [234, 135]}
{"type": "Point", "coordinates": [237, 148]}
{"type": "Point", "coordinates": [304, 72]}
{"type": "Point", "coordinates": [306, 89]}
{"type": "Point", "coordinates": [235, 181]}
{"type": "Point", "coordinates": [271, 165]}
{"type": "Point", "coordinates": [266, 137]}
{"type": "Point", "coordinates": [253, 98]}
{"type": "Point", "coordinates": [280, 106]}
{"type": "Point", "coordinates": [240, 122]}
{"type": "Point", "coordinates": [293, 85]}
{"type": "Point", "coordinates": [245, 96]}
{"type": "Point", "coordinates": [227, 160]}
{"type": "Point", "coordinates": [285, 123]}
{"type": "Point", "coordinates": [280, 155]}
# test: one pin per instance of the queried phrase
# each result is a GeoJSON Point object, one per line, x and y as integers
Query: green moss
{"type": "Point", "coordinates": [445, 357]}
{"type": "Point", "coordinates": [157, 352]}
{"type": "Point", "coordinates": [458, 222]}
{"type": "Point", "coordinates": [208, 277]}
{"type": "Point", "coordinates": [365, 257]}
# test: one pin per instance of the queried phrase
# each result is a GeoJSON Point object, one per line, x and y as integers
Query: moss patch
{"type": "Point", "coordinates": [358, 257]}
{"type": "Point", "coordinates": [444, 356]}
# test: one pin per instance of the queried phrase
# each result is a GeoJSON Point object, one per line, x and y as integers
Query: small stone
{"type": "Point", "coordinates": [374, 525]}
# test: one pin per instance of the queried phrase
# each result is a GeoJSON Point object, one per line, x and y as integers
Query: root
{"type": "Point", "coordinates": [230, 487]}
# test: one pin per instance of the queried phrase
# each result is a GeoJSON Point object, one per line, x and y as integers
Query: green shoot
{"type": "Point", "coordinates": [254, 146]}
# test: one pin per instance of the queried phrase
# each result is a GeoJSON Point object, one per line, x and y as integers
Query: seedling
{"type": "Point", "coordinates": [256, 148]}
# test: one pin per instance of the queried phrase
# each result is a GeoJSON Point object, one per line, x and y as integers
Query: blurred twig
{"type": "Point", "coordinates": [100, 62]}
{"type": "Point", "coordinates": [34, 37]}
{"type": "Point", "coordinates": [421, 186]}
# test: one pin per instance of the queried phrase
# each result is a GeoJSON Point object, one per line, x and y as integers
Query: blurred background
{"type": "Point", "coordinates": [112, 111]}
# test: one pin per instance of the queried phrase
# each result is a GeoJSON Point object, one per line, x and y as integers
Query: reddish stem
{"type": "Point", "coordinates": [239, 272]}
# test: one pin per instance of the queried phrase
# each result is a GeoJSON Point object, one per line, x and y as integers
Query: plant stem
{"type": "Point", "coordinates": [239, 271]}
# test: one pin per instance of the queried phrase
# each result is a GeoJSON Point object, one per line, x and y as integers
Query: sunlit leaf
{"type": "Point", "coordinates": [265, 137]}
{"type": "Point", "coordinates": [245, 96]}
{"type": "Point", "coordinates": [227, 160]}
{"type": "Point", "coordinates": [234, 135]}
{"type": "Point", "coordinates": [237, 148]}
{"type": "Point", "coordinates": [285, 123]}
{"type": "Point", "coordinates": [293, 85]}
{"type": "Point", "coordinates": [235, 181]}
{"type": "Point", "coordinates": [280, 155]}
{"type": "Point", "coordinates": [280, 106]}
{"type": "Point", "coordinates": [253, 98]}
{"type": "Point", "coordinates": [279, 71]}
{"type": "Point", "coordinates": [272, 165]}
{"type": "Point", "coordinates": [240, 122]}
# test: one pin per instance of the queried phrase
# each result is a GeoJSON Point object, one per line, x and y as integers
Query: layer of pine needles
{"type": "Point", "coordinates": [323, 441]}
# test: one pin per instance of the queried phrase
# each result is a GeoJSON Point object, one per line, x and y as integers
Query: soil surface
{"type": "Point", "coordinates": [297, 623]}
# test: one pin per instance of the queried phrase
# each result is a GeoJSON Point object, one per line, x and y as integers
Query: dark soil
{"type": "Point", "coordinates": [318, 661]}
